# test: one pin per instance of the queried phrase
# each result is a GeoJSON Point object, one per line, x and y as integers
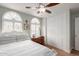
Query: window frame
{"type": "Point", "coordinates": [11, 20]}
{"type": "Point", "coordinates": [36, 24]}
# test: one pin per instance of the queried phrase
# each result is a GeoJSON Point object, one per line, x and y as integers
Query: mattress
{"type": "Point", "coordinates": [25, 48]}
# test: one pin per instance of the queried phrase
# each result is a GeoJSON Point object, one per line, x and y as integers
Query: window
{"type": "Point", "coordinates": [11, 21]}
{"type": "Point", "coordinates": [35, 27]}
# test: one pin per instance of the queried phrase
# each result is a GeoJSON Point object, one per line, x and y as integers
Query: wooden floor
{"type": "Point", "coordinates": [63, 53]}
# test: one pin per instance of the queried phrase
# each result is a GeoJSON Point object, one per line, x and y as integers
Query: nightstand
{"type": "Point", "coordinates": [39, 40]}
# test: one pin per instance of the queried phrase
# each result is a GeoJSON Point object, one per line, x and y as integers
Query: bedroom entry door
{"type": "Point", "coordinates": [77, 33]}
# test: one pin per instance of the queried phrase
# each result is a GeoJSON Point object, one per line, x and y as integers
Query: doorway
{"type": "Point", "coordinates": [76, 33]}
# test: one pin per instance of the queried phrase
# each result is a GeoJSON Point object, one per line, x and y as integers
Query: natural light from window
{"type": "Point", "coordinates": [35, 27]}
{"type": "Point", "coordinates": [11, 22]}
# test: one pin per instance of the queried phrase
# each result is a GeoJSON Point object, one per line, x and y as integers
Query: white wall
{"type": "Point", "coordinates": [58, 28]}
{"type": "Point", "coordinates": [24, 16]}
{"type": "Point", "coordinates": [44, 29]}
{"type": "Point", "coordinates": [3, 10]}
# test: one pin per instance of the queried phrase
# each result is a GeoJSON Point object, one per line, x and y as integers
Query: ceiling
{"type": "Point", "coordinates": [21, 7]}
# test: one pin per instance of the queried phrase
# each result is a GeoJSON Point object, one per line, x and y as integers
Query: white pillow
{"type": "Point", "coordinates": [5, 39]}
{"type": "Point", "coordinates": [22, 36]}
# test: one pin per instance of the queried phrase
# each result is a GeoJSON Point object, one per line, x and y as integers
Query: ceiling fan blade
{"type": "Point", "coordinates": [51, 4]}
{"type": "Point", "coordinates": [48, 11]}
{"type": "Point", "coordinates": [28, 7]}
{"type": "Point", "coordinates": [32, 7]}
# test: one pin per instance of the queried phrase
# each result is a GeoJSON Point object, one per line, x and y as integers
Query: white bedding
{"type": "Point", "coordinates": [25, 48]}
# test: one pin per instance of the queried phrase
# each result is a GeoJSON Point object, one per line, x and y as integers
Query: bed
{"type": "Point", "coordinates": [25, 48]}
{"type": "Point", "coordinates": [20, 44]}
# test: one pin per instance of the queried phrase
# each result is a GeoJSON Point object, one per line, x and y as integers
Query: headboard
{"type": "Point", "coordinates": [15, 37]}
{"type": "Point", "coordinates": [7, 39]}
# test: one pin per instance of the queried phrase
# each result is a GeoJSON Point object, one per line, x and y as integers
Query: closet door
{"type": "Point", "coordinates": [77, 33]}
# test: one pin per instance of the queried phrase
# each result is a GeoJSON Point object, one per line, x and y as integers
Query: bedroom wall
{"type": "Point", "coordinates": [44, 29]}
{"type": "Point", "coordinates": [24, 16]}
{"type": "Point", "coordinates": [58, 28]}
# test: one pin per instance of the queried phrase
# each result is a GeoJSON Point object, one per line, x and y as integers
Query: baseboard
{"type": "Point", "coordinates": [67, 51]}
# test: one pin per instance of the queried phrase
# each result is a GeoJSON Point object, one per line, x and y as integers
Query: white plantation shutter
{"type": "Point", "coordinates": [35, 27]}
{"type": "Point", "coordinates": [11, 21]}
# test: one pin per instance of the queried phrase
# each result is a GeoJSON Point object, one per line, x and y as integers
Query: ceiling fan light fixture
{"type": "Point", "coordinates": [42, 9]}
{"type": "Point", "coordinates": [41, 6]}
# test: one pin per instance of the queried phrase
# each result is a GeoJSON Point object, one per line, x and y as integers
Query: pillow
{"type": "Point", "coordinates": [22, 37]}
{"type": "Point", "coordinates": [5, 39]}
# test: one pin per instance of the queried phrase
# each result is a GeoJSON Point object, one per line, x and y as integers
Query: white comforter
{"type": "Point", "coordinates": [25, 48]}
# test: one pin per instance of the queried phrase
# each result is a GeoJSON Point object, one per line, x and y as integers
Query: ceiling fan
{"type": "Point", "coordinates": [42, 7]}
